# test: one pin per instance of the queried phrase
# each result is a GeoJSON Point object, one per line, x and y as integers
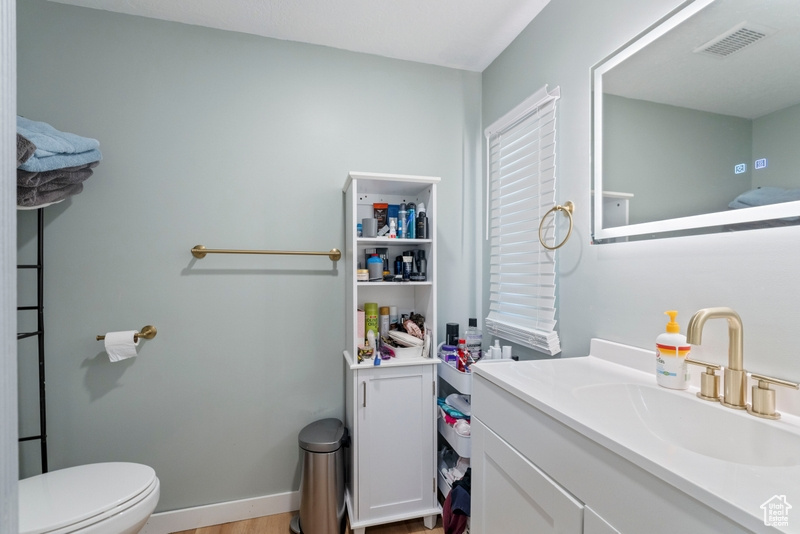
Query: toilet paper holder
{"type": "Point", "coordinates": [146, 332]}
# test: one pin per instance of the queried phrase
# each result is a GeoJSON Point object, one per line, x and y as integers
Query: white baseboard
{"type": "Point", "coordinates": [224, 512]}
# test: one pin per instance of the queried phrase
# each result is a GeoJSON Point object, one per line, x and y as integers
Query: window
{"type": "Point", "coordinates": [521, 170]}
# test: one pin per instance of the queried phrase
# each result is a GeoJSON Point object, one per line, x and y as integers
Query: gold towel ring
{"type": "Point", "coordinates": [567, 208]}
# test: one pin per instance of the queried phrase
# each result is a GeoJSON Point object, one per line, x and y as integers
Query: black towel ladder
{"type": "Point", "coordinates": [39, 334]}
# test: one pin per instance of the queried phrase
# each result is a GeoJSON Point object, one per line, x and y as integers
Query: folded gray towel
{"type": "Point", "coordinates": [32, 197]}
{"type": "Point", "coordinates": [53, 185]}
{"type": "Point", "coordinates": [25, 149]}
{"type": "Point", "coordinates": [67, 175]}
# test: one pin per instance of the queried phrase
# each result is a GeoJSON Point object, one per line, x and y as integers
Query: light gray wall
{"type": "Point", "coordinates": [775, 137]}
{"type": "Point", "coordinates": [676, 161]}
{"type": "Point", "coordinates": [619, 291]}
{"type": "Point", "coordinates": [231, 141]}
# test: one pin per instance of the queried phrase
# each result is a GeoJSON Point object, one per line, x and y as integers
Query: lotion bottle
{"type": "Point", "coordinates": [671, 352]}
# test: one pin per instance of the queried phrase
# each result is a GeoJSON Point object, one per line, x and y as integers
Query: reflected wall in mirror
{"type": "Point", "coordinates": [697, 123]}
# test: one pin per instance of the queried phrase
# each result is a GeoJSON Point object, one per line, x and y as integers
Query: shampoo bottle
{"type": "Point", "coordinates": [474, 338]}
{"type": "Point", "coordinates": [671, 353]}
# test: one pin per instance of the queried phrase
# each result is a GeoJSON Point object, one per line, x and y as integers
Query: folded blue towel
{"type": "Point", "coordinates": [50, 141]}
{"type": "Point", "coordinates": [56, 149]}
{"type": "Point", "coordinates": [60, 161]}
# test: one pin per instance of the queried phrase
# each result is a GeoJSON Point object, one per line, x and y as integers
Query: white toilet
{"type": "Point", "coordinates": [103, 498]}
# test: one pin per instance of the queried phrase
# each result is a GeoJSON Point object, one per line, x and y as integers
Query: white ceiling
{"type": "Point", "coordinates": [759, 79]}
{"type": "Point", "coordinates": [462, 34]}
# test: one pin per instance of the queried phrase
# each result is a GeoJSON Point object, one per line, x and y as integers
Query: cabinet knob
{"type": "Point", "coordinates": [764, 396]}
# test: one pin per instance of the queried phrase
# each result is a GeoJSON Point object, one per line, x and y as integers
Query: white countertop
{"type": "Point", "coordinates": [598, 396]}
{"type": "Point", "coordinates": [392, 362]}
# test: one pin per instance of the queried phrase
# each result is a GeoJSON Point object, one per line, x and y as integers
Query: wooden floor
{"type": "Point", "coordinates": [279, 524]}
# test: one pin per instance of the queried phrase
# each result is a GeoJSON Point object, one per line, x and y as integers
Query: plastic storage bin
{"type": "Point", "coordinates": [322, 486]}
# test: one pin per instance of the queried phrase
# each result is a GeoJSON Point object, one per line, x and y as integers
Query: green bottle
{"type": "Point", "coordinates": [371, 318]}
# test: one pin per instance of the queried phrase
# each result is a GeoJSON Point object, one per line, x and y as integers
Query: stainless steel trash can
{"type": "Point", "coordinates": [322, 484]}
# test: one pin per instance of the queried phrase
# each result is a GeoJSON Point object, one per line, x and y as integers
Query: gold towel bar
{"type": "Point", "coordinates": [147, 332]}
{"type": "Point", "coordinates": [567, 208]}
{"type": "Point", "coordinates": [200, 252]}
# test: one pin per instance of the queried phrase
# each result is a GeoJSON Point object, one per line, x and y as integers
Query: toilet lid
{"type": "Point", "coordinates": [61, 498]}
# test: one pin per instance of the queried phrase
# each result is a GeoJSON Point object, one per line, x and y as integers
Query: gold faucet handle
{"type": "Point", "coordinates": [709, 380]}
{"type": "Point", "coordinates": [764, 396]}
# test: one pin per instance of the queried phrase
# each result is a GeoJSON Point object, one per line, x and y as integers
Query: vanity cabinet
{"type": "Point", "coordinates": [529, 465]}
{"type": "Point", "coordinates": [510, 494]}
{"type": "Point", "coordinates": [390, 409]}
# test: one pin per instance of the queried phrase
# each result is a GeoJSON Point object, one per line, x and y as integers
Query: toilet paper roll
{"type": "Point", "coordinates": [120, 345]}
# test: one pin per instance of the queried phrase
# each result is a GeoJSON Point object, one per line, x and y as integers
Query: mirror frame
{"type": "Point", "coordinates": [682, 224]}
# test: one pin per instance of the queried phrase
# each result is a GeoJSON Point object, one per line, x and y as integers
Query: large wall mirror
{"type": "Point", "coordinates": [696, 123]}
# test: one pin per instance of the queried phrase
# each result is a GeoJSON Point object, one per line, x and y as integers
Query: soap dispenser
{"type": "Point", "coordinates": [671, 352]}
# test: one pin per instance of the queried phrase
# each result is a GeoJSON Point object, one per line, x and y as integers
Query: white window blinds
{"type": "Point", "coordinates": [521, 168]}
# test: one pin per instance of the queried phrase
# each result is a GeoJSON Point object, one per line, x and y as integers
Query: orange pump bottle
{"type": "Point", "coordinates": [671, 352]}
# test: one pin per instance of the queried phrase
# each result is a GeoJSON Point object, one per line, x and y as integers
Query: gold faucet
{"type": "Point", "coordinates": [735, 377]}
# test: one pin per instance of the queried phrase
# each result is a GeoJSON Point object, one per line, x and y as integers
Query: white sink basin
{"type": "Point", "coordinates": [703, 427]}
{"type": "Point", "coordinates": [727, 459]}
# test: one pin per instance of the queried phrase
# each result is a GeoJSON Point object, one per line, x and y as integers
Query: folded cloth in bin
{"type": "Point", "coordinates": [452, 412]}
{"type": "Point", "coordinates": [460, 403]}
{"type": "Point", "coordinates": [457, 505]}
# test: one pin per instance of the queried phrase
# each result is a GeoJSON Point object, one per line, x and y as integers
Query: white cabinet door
{"type": "Point", "coordinates": [395, 440]}
{"type": "Point", "coordinates": [594, 524]}
{"type": "Point", "coordinates": [510, 494]}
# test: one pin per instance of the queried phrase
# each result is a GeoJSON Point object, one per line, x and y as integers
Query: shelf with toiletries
{"type": "Point", "coordinates": [395, 284]}
{"type": "Point", "coordinates": [406, 278]}
{"type": "Point", "coordinates": [461, 381]}
{"type": "Point", "coordinates": [455, 412]}
{"type": "Point", "coordinates": [455, 383]}
{"type": "Point", "coordinates": [460, 444]}
{"type": "Point", "coordinates": [392, 241]}
{"type": "Point", "coordinates": [390, 404]}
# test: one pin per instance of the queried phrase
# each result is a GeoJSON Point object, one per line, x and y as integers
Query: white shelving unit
{"type": "Point", "coordinates": [390, 409]}
{"type": "Point", "coordinates": [462, 383]}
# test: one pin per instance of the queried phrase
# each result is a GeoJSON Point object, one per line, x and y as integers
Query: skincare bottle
{"type": "Point", "coordinates": [411, 226]}
{"type": "Point", "coordinates": [371, 319]}
{"type": "Point", "coordinates": [421, 264]}
{"type": "Point", "coordinates": [452, 334]}
{"type": "Point", "coordinates": [383, 322]}
{"type": "Point", "coordinates": [422, 222]}
{"type": "Point", "coordinates": [375, 268]}
{"type": "Point", "coordinates": [671, 352]}
{"type": "Point", "coordinates": [464, 360]}
{"type": "Point", "coordinates": [474, 339]}
{"type": "Point", "coordinates": [402, 222]}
